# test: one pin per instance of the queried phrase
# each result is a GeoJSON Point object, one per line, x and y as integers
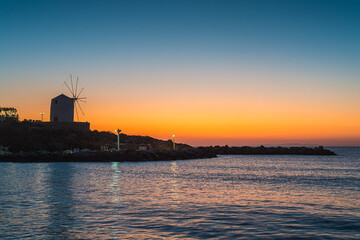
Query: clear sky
{"type": "Point", "coordinates": [210, 72]}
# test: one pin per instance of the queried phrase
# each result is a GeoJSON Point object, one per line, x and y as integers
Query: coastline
{"type": "Point", "coordinates": [148, 155]}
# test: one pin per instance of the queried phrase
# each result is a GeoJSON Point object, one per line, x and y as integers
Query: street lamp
{"type": "Point", "coordinates": [173, 141]}
{"type": "Point", "coordinates": [118, 138]}
{"type": "Point", "coordinates": [42, 116]}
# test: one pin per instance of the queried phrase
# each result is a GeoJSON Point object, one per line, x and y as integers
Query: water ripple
{"type": "Point", "coordinates": [231, 197]}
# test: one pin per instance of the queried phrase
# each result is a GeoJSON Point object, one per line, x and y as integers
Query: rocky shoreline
{"type": "Point", "coordinates": [32, 141]}
{"type": "Point", "coordinates": [145, 155]}
{"type": "Point", "coordinates": [226, 150]}
{"type": "Point", "coordinates": [103, 156]}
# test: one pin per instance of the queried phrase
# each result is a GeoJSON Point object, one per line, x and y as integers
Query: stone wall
{"type": "Point", "coordinates": [77, 126]}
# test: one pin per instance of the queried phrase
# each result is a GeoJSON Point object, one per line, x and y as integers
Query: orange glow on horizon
{"type": "Point", "coordinates": [269, 111]}
{"type": "Point", "coordinates": [198, 123]}
{"type": "Point", "coordinates": [224, 122]}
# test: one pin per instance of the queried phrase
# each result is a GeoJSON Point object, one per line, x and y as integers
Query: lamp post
{"type": "Point", "coordinates": [118, 138]}
{"type": "Point", "coordinates": [42, 116]}
{"type": "Point", "coordinates": [173, 141]}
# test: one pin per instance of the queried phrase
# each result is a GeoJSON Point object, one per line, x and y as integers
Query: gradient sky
{"type": "Point", "coordinates": [210, 72]}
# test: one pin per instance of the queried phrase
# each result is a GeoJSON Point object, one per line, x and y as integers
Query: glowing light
{"type": "Point", "coordinates": [173, 141]}
{"type": "Point", "coordinates": [42, 116]}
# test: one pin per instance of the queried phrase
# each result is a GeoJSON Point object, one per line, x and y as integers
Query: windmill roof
{"type": "Point", "coordinates": [62, 96]}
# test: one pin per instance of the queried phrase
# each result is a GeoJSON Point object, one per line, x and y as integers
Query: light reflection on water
{"type": "Point", "coordinates": [227, 197]}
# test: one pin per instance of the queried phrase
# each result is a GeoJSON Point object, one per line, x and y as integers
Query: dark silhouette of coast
{"type": "Point", "coordinates": [30, 141]}
{"type": "Point", "coordinates": [147, 155]}
{"type": "Point", "coordinates": [104, 156]}
{"type": "Point", "coordinates": [30, 136]}
{"type": "Point", "coordinates": [226, 150]}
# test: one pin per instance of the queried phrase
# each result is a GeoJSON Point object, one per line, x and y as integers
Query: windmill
{"type": "Point", "coordinates": [76, 96]}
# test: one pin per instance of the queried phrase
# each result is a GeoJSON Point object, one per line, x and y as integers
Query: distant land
{"type": "Point", "coordinates": [36, 141]}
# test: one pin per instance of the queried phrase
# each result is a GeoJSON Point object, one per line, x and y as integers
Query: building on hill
{"type": "Point", "coordinates": [62, 115]}
{"type": "Point", "coordinates": [62, 109]}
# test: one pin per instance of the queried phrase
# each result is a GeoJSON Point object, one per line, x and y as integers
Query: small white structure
{"type": "Point", "coordinates": [62, 109]}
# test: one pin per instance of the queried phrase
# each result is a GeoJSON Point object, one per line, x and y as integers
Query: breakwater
{"type": "Point", "coordinates": [226, 150]}
{"type": "Point", "coordinates": [136, 156]}
{"type": "Point", "coordinates": [102, 156]}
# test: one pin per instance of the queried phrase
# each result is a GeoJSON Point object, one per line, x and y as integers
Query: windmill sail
{"type": "Point", "coordinates": [76, 97]}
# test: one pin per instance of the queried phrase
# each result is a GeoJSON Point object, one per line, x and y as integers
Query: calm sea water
{"type": "Point", "coordinates": [230, 197]}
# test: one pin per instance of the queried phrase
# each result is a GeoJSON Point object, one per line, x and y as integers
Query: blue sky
{"type": "Point", "coordinates": [139, 32]}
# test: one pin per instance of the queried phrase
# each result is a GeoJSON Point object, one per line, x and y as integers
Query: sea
{"type": "Point", "coordinates": [228, 197]}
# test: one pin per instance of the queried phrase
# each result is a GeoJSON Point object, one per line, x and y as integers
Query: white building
{"type": "Point", "coordinates": [62, 109]}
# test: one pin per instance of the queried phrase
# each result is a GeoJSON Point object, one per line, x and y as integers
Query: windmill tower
{"type": "Point", "coordinates": [63, 107]}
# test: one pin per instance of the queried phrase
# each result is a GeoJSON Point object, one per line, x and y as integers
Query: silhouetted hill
{"type": "Point", "coordinates": [32, 136]}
